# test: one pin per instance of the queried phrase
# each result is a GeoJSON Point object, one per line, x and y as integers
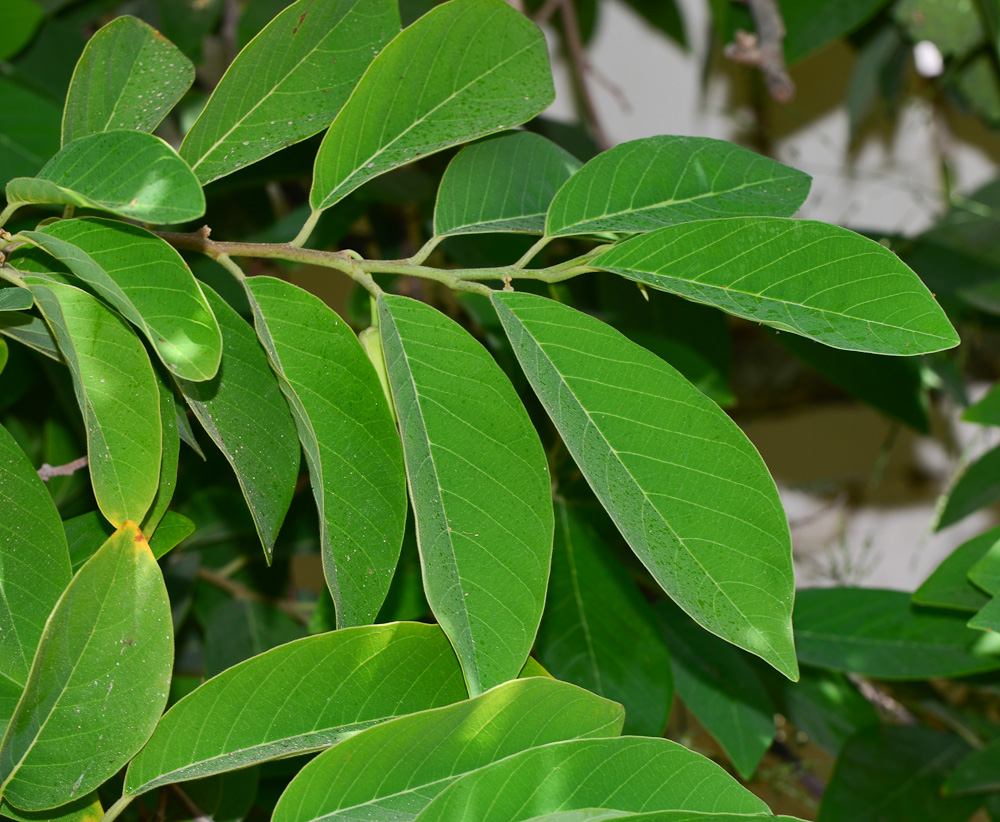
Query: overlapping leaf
{"type": "Point", "coordinates": [129, 76]}
{"type": "Point", "coordinates": [117, 393]}
{"type": "Point", "coordinates": [349, 438]}
{"type": "Point", "coordinates": [985, 572]}
{"type": "Point", "coordinates": [85, 809]}
{"type": "Point", "coordinates": [659, 181]}
{"type": "Point", "coordinates": [288, 83]}
{"type": "Point", "coordinates": [505, 183]}
{"type": "Point", "coordinates": [465, 69]}
{"type": "Point", "coordinates": [479, 485]}
{"type": "Point", "coordinates": [392, 771]}
{"type": "Point", "coordinates": [810, 278]}
{"type": "Point", "coordinates": [32, 332]}
{"type": "Point", "coordinates": [170, 455]}
{"type": "Point", "coordinates": [15, 299]}
{"type": "Point", "coordinates": [683, 484]}
{"type": "Point", "coordinates": [978, 487]}
{"type": "Point", "coordinates": [299, 697]}
{"type": "Point", "coordinates": [949, 585]}
{"type": "Point", "coordinates": [98, 682]}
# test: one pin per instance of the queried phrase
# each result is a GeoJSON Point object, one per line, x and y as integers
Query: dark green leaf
{"type": "Point", "coordinates": [168, 461]}
{"type": "Point", "coordinates": [15, 299]}
{"type": "Point", "coordinates": [239, 629]}
{"type": "Point", "coordinates": [29, 130]}
{"type": "Point", "coordinates": [663, 15]}
{"type": "Point", "coordinates": [21, 19]}
{"type": "Point", "coordinates": [978, 772]}
{"type": "Point", "coordinates": [32, 332]}
{"type": "Point", "coordinates": [987, 410]}
{"type": "Point", "coordinates": [812, 24]}
{"type": "Point", "coordinates": [988, 617]}
{"type": "Point", "coordinates": [227, 797]}
{"type": "Point", "coordinates": [84, 535]}
{"type": "Point", "coordinates": [978, 487]}
{"type": "Point", "coordinates": [949, 585]}
{"type": "Point", "coordinates": [985, 573]}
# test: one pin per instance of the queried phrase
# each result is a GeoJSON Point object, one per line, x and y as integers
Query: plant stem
{"type": "Point", "coordinates": [6, 214]}
{"type": "Point", "coordinates": [425, 250]}
{"type": "Point", "coordinates": [112, 812]}
{"type": "Point", "coordinates": [307, 229]}
{"type": "Point", "coordinates": [531, 252]}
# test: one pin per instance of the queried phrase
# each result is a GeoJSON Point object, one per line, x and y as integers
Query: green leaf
{"type": "Point", "coordinates": [599, 632]}
{"type": "Point", "coordinates": [99, 680]}
{"type": "Point", "coordinates": [129, 76]}
{"type": "Point", "coordinates": [288, 83]}
{"type": "Point", "coordinates": [978, 772]}
{"type": "Point", "coordinates": [227, 797]}
{"type": "Point", "coordinates": [718, 684]}
{"type": "Point", "coordinates": [257, 438]}
{"type": "Point", "coordinates": [147, 281]}
{"type": "Point", "coordinates": [349, 438]}
{"type": "Point", "coordinates": [812, 24]}
{"type": "Point", "coordinates": [85, 534]}
{"type": "Point", "coordinates": [15, 299]}
{"type": "Point", "coordinates": [127, 173]}
{"type": "Point", "coordinates": [813, 279]}
{"type": "Point", "coordinates": [896, 772]}
{"type": "Point", "coordinates": [684, 485]}
{"type": "Point", "coordinates": [978, 487]}
{"type": "Point", "coordinates": [988, 617]}
{"type": "Point", "coordinates": [660, 181]}
{"type": "Point", "coordinates": [987, 410]}
{"type": "Point", "coordinates": [955, 28]}
{"type": "Point", "coordinates": [595, 814]}
{"type": "Point", "coordinates": [173, 529]}
{"type": "Point", "coordinates": [29, 130]}
{"type": "Point", "coordinates": [463, 70]}
{"type": "Point", "coordinates": [299, 697]}
{"type": "Point", "coordinates": [85, 809]}
{"type": "Point", "coordinates": [168, 461]}
{"type": "Point", "coordinates": [949, 585]}
{"type": "Point", "coordinates": [504, 183]}
{"type": "Point", "coordinates": [21, 19]}
{"type": "Point", "coordinates": [479, 485]}
{"type": "Point", "coordinates": [628, 773]}
{"type": "Point", "coordinates": [239, 629]}
{"type": "Point", "coordinates": [879, 634]}
{"type": "Point", "coordinates": [34, 568]}
{"type": "Point", "coordinates": [985, 573]}
{"type": "Point", "coordinates": [663, 15]}
{"type": "Point", "coordinates": [392, 771]}
{"type": "Point", "coordinates": [32, 332]}
{"type": "Point", "coordinates": [117, 394]}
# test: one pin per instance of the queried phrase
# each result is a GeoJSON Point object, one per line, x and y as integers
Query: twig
{"type": "Point", "coordinates": [882, 701]}
{"type": "Point", "coordinates": [764, 49]}
{"type": "Point", "coordinates": [47, 472]}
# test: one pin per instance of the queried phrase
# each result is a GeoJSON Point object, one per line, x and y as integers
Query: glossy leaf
{"type": "Point", "coordinates": [463, 70]}
{"type": "Point", "coordinates": [98, 682]}
{"type": "Point", "coordinates": [599, 632]}
{"type": "Point", "coordinates": [719, 686]}
{"type": "Point", "coordinates": [949, 585]}
{"type": "Point", "coordinates": [168, 461]}
{"type": "Point", "coordinates": [479, 485]}
{"type": "Point", "coordinates": [879, 634]}
{"type": "Point", "coordinates": [821, 281]}
{"type": "Point", "coordinates": [270, 707]}
{"type": "Point", "coordinates": [978, 487]}
{"type": "Point", "coordinates": [157, 186]}
{"type": "Point", "coordinates": [29, 130]}
{"type": "Point", "coordinates": [85, 809]}
{"type": "Point", "coordinates": [392, 771]}
{"type": "Point", "coordinates": [710, 529]}
{"type": "Point", "coordinates": [505, 183]}
{"type": "Point", "coordinates": [173, 529]}
{"type": "Point", "coordinates": [129, 76]}
{"type": "Point", "coordinates": [147, 281]}
{"type": "Point", "coordinates": [257, 438]}
{"type": "Point", "coordinates": [659, 181]}
{"type": "Point", "coordinates": [109, 366]}
{"type": "Point", "coordinates": [349, 438]}
{"type": "Point", "coordinates": [15, 299]}
{"type": "Point", "coordinates": [288, 83]}
{"type": "Point", "coordinates": [629, 774]}
{"type": "Point", "coordinates": [978, 772]}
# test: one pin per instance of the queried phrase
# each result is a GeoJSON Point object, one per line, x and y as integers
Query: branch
{"type": "Point", "coordinates": [47, 472]}
{"type": "Point", "coordinates": [764, 50]}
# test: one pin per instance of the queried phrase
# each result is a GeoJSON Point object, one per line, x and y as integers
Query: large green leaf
{"type": "Point", "coordinates": [34, 568]}
{"type": "Point", "coordinates": [128, 173]}
{"type": "Point", "coordinates": [949, 585]}
{"type": "Point", "coordinates": [243, 411]}
{"type": "Point", "coordinates": [129, 76]}
{"type": "Point", "coordinates": [629, 773]}
{"type": "Point", "coordinates": [98, 682]}
{"type": "Point", "coordinates": [978, 487]}
{"type": "Point", "coordinates": [599, 632]}
{"type": "Point", "coordinates": [288, 83]}
{"type": "Point", "coordinates": [349, 438]}
{"type": "Point", "coordinates": [118, 397]}
{"type": "Point", "coordinates": [659, 181]}
{"type": "Point", "coordinates": [29, 130]}
{"type": "Point", "coordinates": [147, 281]}
{"type": "Point", "coordinates": [299, 697]}
{"type": "Point", "coordinates": [392, 771]}
{"type": "Point", "coordinates": [479, 485]}
{"type": "Point", "coordinates": [465, 69]}
{"type": "Point", "coordinates": [683, 484]}
{"type": "Point", "coordinates": [813, 279]}
{"type": "Point", "coordinates": [878, 633]}
{"type": "Point", "coordinates": [504, 183]}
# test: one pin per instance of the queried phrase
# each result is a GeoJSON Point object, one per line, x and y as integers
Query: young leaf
{"type": "Point", "coordinates": [465, 69]}
{"type": "Point", "coordinates": [15, 299]}
{"type": "Point", "coordinates": [599, 632]}
{"type": "Point", "coordinates": [684, 485]}
{"type": "Point", "coordinates": [879, 634]}
{"type": "Point", "coordinates": [349, 438]}
{"type": "Point", "coordinates": [949, 585]}
{"type": "Point", "coordinates": [392, 771]}
{"type": "Point", "coordinates": [156, 187]}
{"type": "Point", "coordinates": [244, 413]}
{"type": "Point", "coordinates": [504, 183]}
{"type": "Point", "coordinates": [288, 83]}
{"type": "Point", "coordinates": [173, 529]}
{"type": "Point", "coordinates": [299, 697]}
{"type": "Point", "coordinates": [147, 281]}
{"type": "Point", "coordinates": [631, 773]}
{"type": "Point", "coordinates": [479, 485]}
{"type": "Point", "coordinates": [659, 181]}
{"type": "Point", "coordinates": [978, 487]}
{"type": "Point", "coordinates": [118, 397]}
{"type": "Point", "coordinates": [821, 281]}
{"type": "Point", "coordinates": [98, 682]}
{"type": "Point", "coordinates": [129, 76]}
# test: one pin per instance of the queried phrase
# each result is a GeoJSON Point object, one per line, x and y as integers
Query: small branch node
{"type": "Point", "coordinates": [764, 50]}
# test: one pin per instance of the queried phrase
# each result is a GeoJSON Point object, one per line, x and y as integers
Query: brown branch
{"type": "Point", "coordinates": [764, 50]}
{"type": "Point", "coordinates": [47, 472]}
